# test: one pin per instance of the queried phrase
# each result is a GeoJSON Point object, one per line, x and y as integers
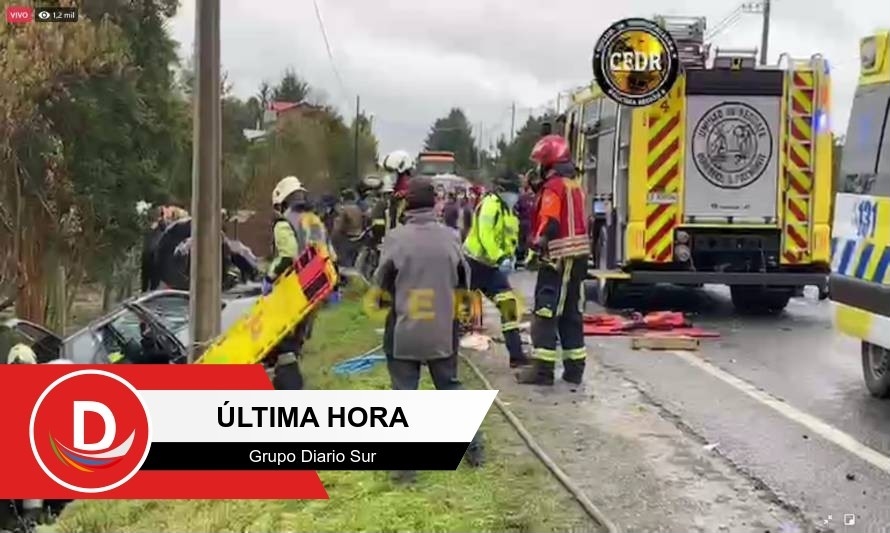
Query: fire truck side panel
{"type": "Point", "coordinates": [663, 174]}
{"type": "Point", "coordinates": [635, 236]}
{"type": "Point", "coordinates": [732, 156]}
{"type": "Point", "coordinates": [823, 187]}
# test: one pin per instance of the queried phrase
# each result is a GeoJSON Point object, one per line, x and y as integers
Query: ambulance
{"type": "Point", "coordinates": [726, 180]}
{"type": "Point", "coordinates": [860, 246]}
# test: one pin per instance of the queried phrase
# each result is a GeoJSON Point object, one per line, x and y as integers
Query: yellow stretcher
{"type": "Point", "coordinates": [296, 293]}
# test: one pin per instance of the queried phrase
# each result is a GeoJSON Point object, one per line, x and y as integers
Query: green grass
{"type": "Point", "coordinates": [513, 492]}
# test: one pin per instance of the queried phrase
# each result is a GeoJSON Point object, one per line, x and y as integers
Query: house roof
{"type": "Point", "coordinates": [278, 107]}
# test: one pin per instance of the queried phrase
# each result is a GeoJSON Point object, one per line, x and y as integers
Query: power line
{"type": "Point", "coordinates": [327, 45]}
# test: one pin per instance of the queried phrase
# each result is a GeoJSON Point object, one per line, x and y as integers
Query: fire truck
{"type": "Point", "coordinates": [860, 278]}
{"type": "Point", "coordinates": [726, 180]}
{"type": "Point", "coordinates": [432, 163]}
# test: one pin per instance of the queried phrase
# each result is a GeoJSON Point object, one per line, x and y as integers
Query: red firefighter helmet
{"type": "Point", "coordinates": [550, 150]}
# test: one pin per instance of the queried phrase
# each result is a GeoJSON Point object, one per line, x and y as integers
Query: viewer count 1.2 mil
{"type": "Point", "coordinates": [55, 14]}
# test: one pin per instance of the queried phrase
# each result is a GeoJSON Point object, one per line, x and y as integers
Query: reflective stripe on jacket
{"type": "Point", "coordinates": [566, 205]}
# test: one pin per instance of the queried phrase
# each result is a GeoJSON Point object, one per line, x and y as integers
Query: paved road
{"type": "Point", "coordinates": [781, 397]}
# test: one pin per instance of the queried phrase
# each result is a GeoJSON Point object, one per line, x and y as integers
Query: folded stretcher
{"type": "Point", "coordinates": [295, 294]}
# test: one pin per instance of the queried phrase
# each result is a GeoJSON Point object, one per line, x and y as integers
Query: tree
{"type": "Point", "coordinates": [291, 88]}
{"type": "Point", "coordinates": [454, 134]}
{"type": "Point", "coordinates": [515, 156]}
{"type": "Point", "coordinates": [47, 62]}
{"type": "Point", "coordinates": [92, 126]}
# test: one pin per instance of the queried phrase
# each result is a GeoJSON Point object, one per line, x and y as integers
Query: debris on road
{"type": "Point", "coordinates": [476, 341]}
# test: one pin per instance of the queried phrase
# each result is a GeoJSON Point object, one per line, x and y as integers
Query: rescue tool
{"type": "Point", "coordinates": [296, 293]}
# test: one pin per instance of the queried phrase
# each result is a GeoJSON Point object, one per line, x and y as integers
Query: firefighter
{"type": "Point", "coordinates": [348, 227]}
{"type": "Point", "coordinates": [389, 213]}
{"type": "Point", "coordinates": [296, 227]}
{"type": "Point", "coordinates": [422, 261]}
{"type": "Point", "coordinates": [490, 248]}
{"type": "Point", "coordinates": [21, 354]}
{"type": "Point", "coordinates": [559, 240]}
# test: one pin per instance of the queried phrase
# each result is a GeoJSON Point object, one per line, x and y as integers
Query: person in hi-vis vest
{"type": "Point", "coordinates": [296, 228]}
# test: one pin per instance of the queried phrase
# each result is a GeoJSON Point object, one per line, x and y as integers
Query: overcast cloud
{"type": "Point", "coordinates": [412, 60]}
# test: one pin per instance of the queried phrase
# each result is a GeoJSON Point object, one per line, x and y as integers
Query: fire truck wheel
{"type": "Point", "coordinates": [876, 369]}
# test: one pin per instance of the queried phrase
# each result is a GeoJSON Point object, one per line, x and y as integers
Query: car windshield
{"type": "Point", "coordinates": [172, 310]}
{"type": "Point", "coordinates": [432, 168]}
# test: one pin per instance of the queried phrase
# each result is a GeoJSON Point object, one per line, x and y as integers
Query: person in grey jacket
{"type": "Point", "coordinates": [422, 267]}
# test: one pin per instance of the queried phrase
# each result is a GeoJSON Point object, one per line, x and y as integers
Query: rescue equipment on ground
{"type": "Point", "coordinates": [301, 289]}
{"type": "Point", "coordinates": [665, 323]}
{"type": "Point", "coordinates": [359, 364]}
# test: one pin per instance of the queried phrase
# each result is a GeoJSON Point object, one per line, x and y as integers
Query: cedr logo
{"type": "Point", "coordinates": [90, 431]}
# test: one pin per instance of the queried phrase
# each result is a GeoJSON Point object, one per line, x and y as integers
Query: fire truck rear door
{"type": "Point", "coordinates": [732, 146]}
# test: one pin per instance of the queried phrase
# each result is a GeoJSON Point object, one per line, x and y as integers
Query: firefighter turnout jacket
{"type": "Point", "coordinates": [293, 233]}
{"type": "Point", "coordinates": [560, 225]}
{"type": "Point", "coordinates": [386, 214]}
{"type": "Point", "coordinates": [494, 232]}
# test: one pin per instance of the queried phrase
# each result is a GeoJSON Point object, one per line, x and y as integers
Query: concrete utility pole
{"type": "Point", "coordinates": [358, 104]}
{"type": "Point", "coordinates": [764, 38]}
{"type": "Point", "coordinates": [206, 254]}
{"type": "Point", "coordinates": [512, 122]}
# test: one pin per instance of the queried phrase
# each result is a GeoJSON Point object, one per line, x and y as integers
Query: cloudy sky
{"type": "Point", "coordinates": [412, 60]}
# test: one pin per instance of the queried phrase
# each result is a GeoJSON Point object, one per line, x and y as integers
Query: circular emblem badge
{"type": "Point", "coordinates": [635, 62]}
{"type": "Point", "coordinates": [90, 431]}
{"type": "Point", "coordinates": [732, 145]}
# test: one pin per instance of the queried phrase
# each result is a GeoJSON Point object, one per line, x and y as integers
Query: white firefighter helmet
{"type": "Point", "coordinates": [398, 162]}
{"type": "Point", "coordinates": [21, 354]}
{"type": "Point", "coordinates": [285, 187]}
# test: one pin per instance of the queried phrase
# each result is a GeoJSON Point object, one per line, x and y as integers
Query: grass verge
{"type": "Point", "coordinates": [513, 492]}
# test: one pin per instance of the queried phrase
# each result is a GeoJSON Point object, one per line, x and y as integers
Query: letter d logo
{"type": "Point", "coordinates": [90, 431]}
{"type": "Point", "coordinates": [80, 409]}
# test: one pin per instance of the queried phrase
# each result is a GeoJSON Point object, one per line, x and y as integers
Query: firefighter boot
{"type": "Point", "coordinates": [513, 341]}
{"type": "Point", "coordinates": [539, 373]}
{"type": "Point", "coordinates": [287, 373]}
{"type": "Point", "coordinates": [573, 371]}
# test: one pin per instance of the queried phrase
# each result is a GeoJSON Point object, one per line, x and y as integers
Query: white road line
{"type": "Point", "coordinates": [817, 426]}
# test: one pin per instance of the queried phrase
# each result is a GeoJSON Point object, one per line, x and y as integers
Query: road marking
{"type": "Point", "coordinates": [817, 426]}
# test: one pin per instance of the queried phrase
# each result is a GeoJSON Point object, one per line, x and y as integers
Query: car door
{"type": "Point", "coordinates": [47, 345]}
{"type": "Point", "coordinates": [171, 310]}
{"type": "Point", "coordinates": [167, 327]}
{"type": "Point", "coordinates": [134, 333]}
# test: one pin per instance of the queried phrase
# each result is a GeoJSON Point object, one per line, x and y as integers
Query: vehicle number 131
{"type": "Point", "coordinates": [865, 218]}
